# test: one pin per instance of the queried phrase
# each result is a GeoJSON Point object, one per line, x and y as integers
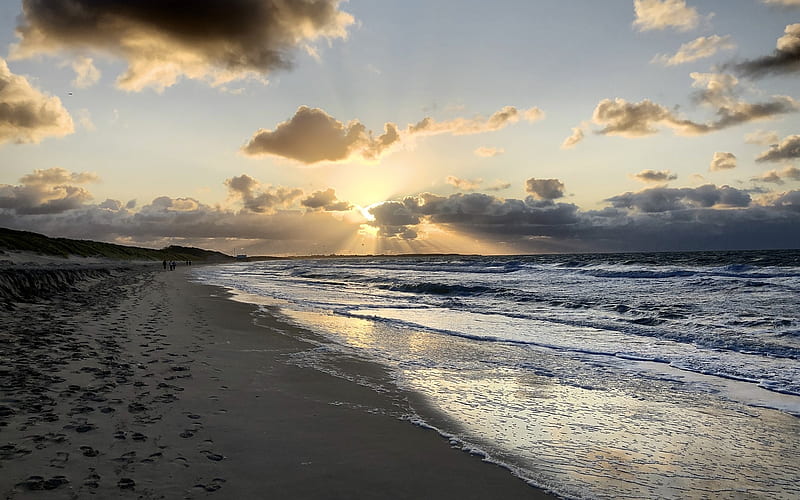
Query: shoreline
{"type": "Point", "coordinates": [145, 384]}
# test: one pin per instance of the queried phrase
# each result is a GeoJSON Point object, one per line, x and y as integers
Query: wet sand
{"type": "Point", "coordinates": [145, 385]}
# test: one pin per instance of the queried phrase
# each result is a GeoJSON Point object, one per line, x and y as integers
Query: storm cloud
{"type": "Point", "coordinates": [26, 114]}
{"type": "Point", "coordinates": [784, 60]}
{"type": "Point", "coordinates": [161, 42]}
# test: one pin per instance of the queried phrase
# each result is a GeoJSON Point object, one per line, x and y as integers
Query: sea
{"type": "Point", "coordinates": [637, 375]}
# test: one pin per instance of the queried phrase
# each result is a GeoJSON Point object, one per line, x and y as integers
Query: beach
{"type": "Point", "coordinates": [139, 383]}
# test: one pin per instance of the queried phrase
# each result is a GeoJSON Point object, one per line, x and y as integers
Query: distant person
{"type": "Point", "coordinates": [165, 264]}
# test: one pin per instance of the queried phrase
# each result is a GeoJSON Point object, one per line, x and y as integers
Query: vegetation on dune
{"type": "Point", "coordinates": [13, 240]}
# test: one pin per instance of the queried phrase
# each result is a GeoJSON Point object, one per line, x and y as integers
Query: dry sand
{"type": "Point", "coordinates": [144, 385]}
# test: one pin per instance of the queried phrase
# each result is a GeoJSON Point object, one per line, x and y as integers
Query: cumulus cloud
{"type": "Point", "coordinates": [325, 200]}
{"type": "Point", "coordinates": [476, 125]}
{"type": "Point", "coordinates": [312, 135]}
{"type": "Point", "coordinates": [545, 189]}
{"type": "Point", "coordinates": [46, 191]}
{"type": "Point", "coordinates": [664, 199]}
{"type": "Point", "coordinates": [722, 161]}
{"type": "Point", "coordinates": [699, 48]}
{"type": "Point", "coordinates": [258, 198]}
{"type": "Point", "coordinates": [655, 176]}
{"type": "Point", "coordinates": [716, 91]}
{"type": "Point", "coordinates": [779, 176]}
{"type": "Point", "coordinates": [217, 42]}
{"type": "Point", "coordinates": [488, 152]}
{"type": "Point", "coordinates": [26, 114]}
{"type": "Point", "coordinates": [662, 14]}
{"type": "Point", "coordinates": [787, 149]}
{"type": "Point", "coordinates": [574, 139]}
{"type": "Point", "coordinates": [86, 74]}
{"type": "Point", "coordinates": [784, 60]}
{"type": "Point", "coordinates": [762, 137]}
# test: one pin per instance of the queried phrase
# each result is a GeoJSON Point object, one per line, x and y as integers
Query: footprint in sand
{"type": "Point", "coordinates": [88, 451]}
{"type": "Point", "coordinates": [36, 483]}
{"type": "Point", "coordinates": [126, 483]}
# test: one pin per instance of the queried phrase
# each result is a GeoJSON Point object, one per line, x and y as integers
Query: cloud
{"type": "Point", "coordinates": [787, 149]}
{"type": "Point", "coordinates": [785, 59]}
{"type": "Point", "coordinates": [655, 176]}
{"type": "Point", "coordinates": [475, 184]}
{"type": "Point", "coordinates": [464, 184]}
{"type": "Point", "coordinates": [699, 48]}
{"type": "Point", "coordinates": [86, 74]}
{"type": "Point", "coordinates": [312, 135]}
{"type": "Point", "coordinates": [662, 14]}
{"type": "Point", "coordinates": [574, 139]}
{"type": "Point", "coordinates": [664, 199]}
{"type": "Point", "coordinates": [722, 161]}
{"type": "Point", "coordinates": [717, 92]}
{"type": "Point", "coordinates": [164, 41]}
{"type": "Point", "coordinates": [27, 115]}
{"type": "Point", "coordinates": [487, 152]}
{"type": "Point", "coordinates": [477, 125]}
{"type": "Point", "coordinates": [325, 200]}
{"type": "Point", "coordinates": [46, 191]}
{"type": "Point", "coordinates": [545, 189]}
{"type": "Point", "coordinates": [764, 138]}
{"type": "Point", "coordinates": [782, 3]}
{"type": "Point", "coordinates": [778, 176]}
{"type": "Point", "coordinates": [260, 199]}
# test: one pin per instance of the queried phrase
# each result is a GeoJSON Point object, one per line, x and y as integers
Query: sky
{"type": "Point", "coordinates": [297, 127]}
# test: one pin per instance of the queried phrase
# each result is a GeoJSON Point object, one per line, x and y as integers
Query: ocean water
{"type": "Point", "coordinates": [669, 375]}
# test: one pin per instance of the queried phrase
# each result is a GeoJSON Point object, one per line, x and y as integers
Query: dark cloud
{"type": "Point", "coordinates": [260, 199]}
{"type": "Point", "coordinates": [655, 176]}
{"type": "Point", "coordinates": [325, 200]}
{"type": "Point", "coordinates": [46, 192]}
{"type": "Point", "coordinates": [163, 41]}
{"type": "Point", "coordinates": [664, 199]}
{"type": "Point", "coordinates": [312, 135]}
{"type": "Point", "coordinates": [546, 189]}
{"type": "Point", "coordinates": [474, 213]}
{"type": "Point", "coordinates": [787, 149]}
{"type": "Point", "coordinates": [722, 161]}
{"type": "Point", "coordinates": [784, 60]}
{"type": "Point", "coordinates": [27, 115]}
